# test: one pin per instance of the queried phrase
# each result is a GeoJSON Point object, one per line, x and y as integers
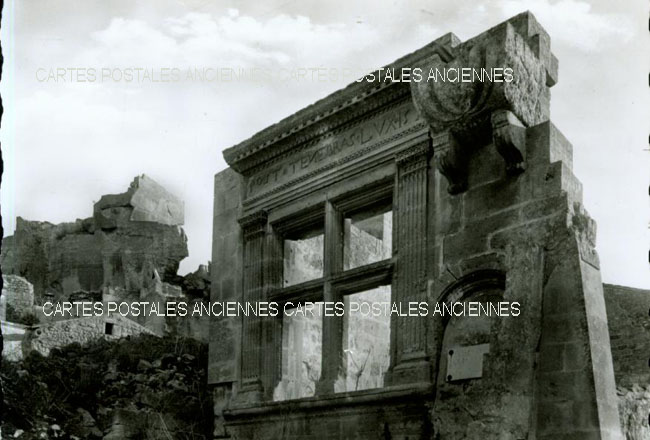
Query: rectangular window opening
{"type": "Point", "coordinates": [366, 340]}
{"type": "Point", "coordinates": [302, 330]}
{"type": "Point", "coordinates": [303, 257]}
{"type": "Point", "coordinates": [108, 328]}
{"type": "Point", "coordinates": [368, 236]}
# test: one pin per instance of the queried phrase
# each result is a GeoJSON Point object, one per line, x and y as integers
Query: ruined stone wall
{"type": "Point", "coordinates": [14, 340]}
{"type": "Point", "coordinates": [18, 293]}
{"type": "Point", "coordinates": [303, 260]}
{"type": "Point", "coordinates": [364, 248]}
{"type": "Point", "coordinates": [301, 356]}
{"type": "Point", "coordinates": [366, 341]}
{"type": "Point", "coordinates": [44, 338]}
{"type": "Point", "coordinates": [130, 236]}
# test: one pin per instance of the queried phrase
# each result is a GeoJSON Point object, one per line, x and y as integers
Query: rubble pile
{"type": "Point", "coordinates": [136, 387]}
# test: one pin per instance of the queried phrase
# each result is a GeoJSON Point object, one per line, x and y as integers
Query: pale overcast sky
{"type": "Point", "coordinates": [66, 143]}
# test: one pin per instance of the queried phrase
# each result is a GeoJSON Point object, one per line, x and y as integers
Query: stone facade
{"type": "Point", "coordinates": [485, 209]}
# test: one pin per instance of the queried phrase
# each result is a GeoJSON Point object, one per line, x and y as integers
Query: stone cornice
{"type": "Point", "coordinates": [328, 114]}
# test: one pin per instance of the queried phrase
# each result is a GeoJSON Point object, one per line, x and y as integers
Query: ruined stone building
{"type": "Point", "coordinates": [129, 236]}
{"type": "Point", "coordinates": [128, 251]}
{"type": "Point", "coordinates": [432, 192]}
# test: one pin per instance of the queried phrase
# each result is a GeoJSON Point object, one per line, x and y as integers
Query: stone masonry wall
{"type": "Point", "coordinates": [81, 330]}
{"type": "Point", "coordinates": [227, 253]}
{"type": "Point", "coordinates": [484, 197]}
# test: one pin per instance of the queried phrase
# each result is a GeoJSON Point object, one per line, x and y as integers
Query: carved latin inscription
{"type": "Point", "coordinates": [334, 148]}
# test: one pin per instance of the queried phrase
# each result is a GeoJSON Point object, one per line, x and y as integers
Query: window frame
{"type": "Point", "coordinates": [336, 281]}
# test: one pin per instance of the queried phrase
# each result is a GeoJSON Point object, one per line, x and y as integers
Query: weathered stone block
{"type": "Point", "coordinates": [145, 201]}
{"type": "Point", "coordinates": [225, 332]}
{"type": "Point", "coordinates": [488, 199]}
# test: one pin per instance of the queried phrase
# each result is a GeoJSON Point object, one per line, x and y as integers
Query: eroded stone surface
{"type": "Point", "coordinates": [131, 236]}
{"type": "Point", "coordinates": [144, 201]}
{"type": "Point", "coordinates": [634, 407]}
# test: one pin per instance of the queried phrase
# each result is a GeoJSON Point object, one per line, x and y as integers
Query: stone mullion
{"type": "Point", "coordinates": [254, 229]}
{"type": "Point", "coordinates": [332, 325]}
{"type": "Point", "coordinates": [272, 326]}
{"type": "Point", "coordinates": [409, 282]}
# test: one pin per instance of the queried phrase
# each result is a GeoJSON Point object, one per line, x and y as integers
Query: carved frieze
{"type": "Point", "coordinates": [334, 149]}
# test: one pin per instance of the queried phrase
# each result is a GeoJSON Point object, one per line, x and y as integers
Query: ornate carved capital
{"type": "Point", "coordinates": [451, 161]}
{"type": "Point", "coordinates": [253, 224]}
{"type": "Point", "coordinates": [509, 137]}
{"type": "Point", "coordinates": [413, 158]}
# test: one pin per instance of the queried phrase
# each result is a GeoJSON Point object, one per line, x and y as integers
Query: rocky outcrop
{"type": "Point", "coordinates": [633, 408]}
{"type": "Point", "coordinates": [16, 303]}
{"type": "Point", "coordinates": [144, 201]}
{"type": "Point", "coordinates": [196, 284]}
{"type": "Point", "coordinates": [130, 237]}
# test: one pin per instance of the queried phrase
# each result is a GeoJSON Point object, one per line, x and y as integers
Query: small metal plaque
{"type": "Point", "coordinates": [465, 362]}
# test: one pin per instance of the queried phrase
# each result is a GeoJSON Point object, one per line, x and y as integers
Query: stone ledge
{"type": "Point", "coordinates": [422, 391]}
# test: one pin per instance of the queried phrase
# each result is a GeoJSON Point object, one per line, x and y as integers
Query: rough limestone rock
{"type": "Point", "coordinates": [144, 201]}
{"type": "Point", "coordinates": [129, 238]}
{"type": "Point", "coordinates": [18, 293]}
{"type": "Point", "coordinates": [634, 407]}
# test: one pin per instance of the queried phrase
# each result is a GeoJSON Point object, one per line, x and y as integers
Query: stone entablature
{"type": "Point", "coordinates": [485, 208]}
